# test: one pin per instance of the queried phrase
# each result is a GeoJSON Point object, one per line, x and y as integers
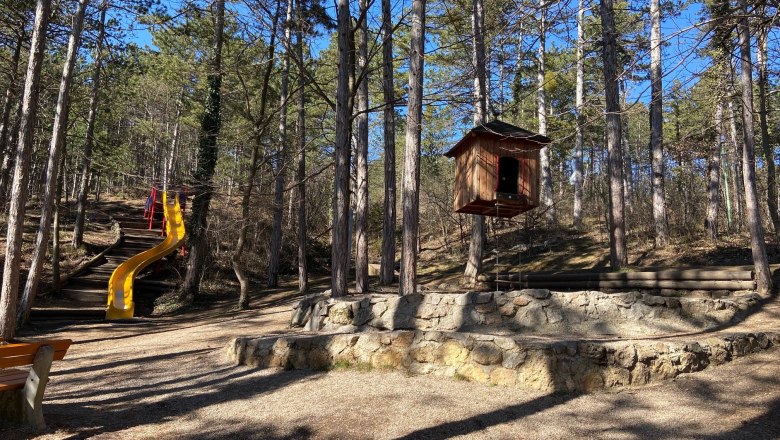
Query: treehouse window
{"type": "Point", "coordinates": [506, 177]}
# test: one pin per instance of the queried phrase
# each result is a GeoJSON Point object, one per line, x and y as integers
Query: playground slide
{"type": "Point", "coordinates": [120, 286]}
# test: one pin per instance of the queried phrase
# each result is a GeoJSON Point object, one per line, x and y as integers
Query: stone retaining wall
{"type": "Point", "coordinates": [537, 311]}
{"type": "Point", "coordinates": [500, 360]}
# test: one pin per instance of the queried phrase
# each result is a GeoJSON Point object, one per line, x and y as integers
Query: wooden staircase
{"type": "Point", "coordinates": [84, 295]}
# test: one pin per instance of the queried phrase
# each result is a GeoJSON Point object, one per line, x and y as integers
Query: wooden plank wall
{"type": "Point", "coordinates": [460, 175]}
{"type": "Point", "coordinates": [486, 167]}
{"type": "Point", "coordinates": [531, 165]}
{"type": "Point", "coordinates": [464, 176]}
{"type": "Point", "coordinates": [475, 171]}
{"type": "Point", "coordinates": [489, 148]}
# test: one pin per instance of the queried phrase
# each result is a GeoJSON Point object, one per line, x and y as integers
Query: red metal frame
{"type": "Point", "coordinates": [149, 213]}
{"type": "Point", "coordinates": [151, 208]}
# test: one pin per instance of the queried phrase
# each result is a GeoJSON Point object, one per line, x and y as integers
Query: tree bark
{"type": "Point", "coordinates": [736, 155]}
{"type": "Point", "coordinates": [477, 242]}
{"type": "Point", "coordinates": [625, 141]}
{"type": "Point", "coordinates": [207, 161]}
{"type": "Point", "coordinates": [544, 154]}
{"type": "Point", "coordinates": [656, 128]}
{"type": "Point", "coordinates": [303, 268]}
{"type": "Point", "coordinates": [5, 119]}
{"type": "Point", "coordinates": [579, 102]}
{"type": "Point", "coordinates": [411, 180]}
{"type": "Point", "coordinates": [713, 170]}
{"type": "Point", "coordinates": [9, 101]}
{"type": "Point", "coordinates": [89, 141]}
{"type": "Point", "coordinates": [766, 146]}
{"type": "Point", "coordinates": [280, 158]}
{"type": "Point", "coordinates": [341, 153]}
{"type": "Point", "coordinates": [55, 237]}
{"type": "Point", "coordinates": [59, 132]}
{"type": "Point", "coordinates": [168, 177]}
{"type": "Point", "coordinates": [757, 245]}
{"type": "Point", "coordinates": [236, 258]}
{"type": "Point", "coordinates": [13, 252]}
{"type": "Point", "coordinates": [387, 269]}
{"type": "Point", "coordinates": [361, 184]}
{"type": "Point", "coordinates": [617, 239]}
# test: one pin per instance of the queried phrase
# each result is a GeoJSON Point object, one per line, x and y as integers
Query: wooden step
{"type": "Point", "coordinates": [86, 281]}
{"type": "Point", "coordinates": [142, 229]}
{"type": "Point", "coordinates": [63, 312]}
{"type": "Point", "coordinates": [83, 298]}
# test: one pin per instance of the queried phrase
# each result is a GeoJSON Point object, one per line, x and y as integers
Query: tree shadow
{"type": "Point", "coordinates": [764, 426]}
{"type": "Point", "coordinates": [500, 416]}
{"type": "Point", "coordinates": [155, 403]}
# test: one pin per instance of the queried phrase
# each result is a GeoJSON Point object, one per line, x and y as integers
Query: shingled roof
{"type": "Point", "coordinates": [501, 130]}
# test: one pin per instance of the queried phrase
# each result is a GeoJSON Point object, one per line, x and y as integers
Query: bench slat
{"type": "Point", "coordinates": [30, 348]}
{"type": "Point", "coordinates": [10, 372]}
{"type": "Point", "coordinates": [13, 381]}
{"type": "Point", "coordinates": [17, 361]}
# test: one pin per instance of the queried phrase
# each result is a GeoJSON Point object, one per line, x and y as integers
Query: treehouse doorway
{"type": "Point", "coordinates": [507, 176]}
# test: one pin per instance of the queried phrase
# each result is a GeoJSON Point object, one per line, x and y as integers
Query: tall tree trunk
{"type": "Point", "coordinates": [361, 184]}
{"type": "Point", "coordinates": [411, 180]}
{"type": "Point", "coordinates": [713, 170]}
{"type": "Point", "coordinates": [757, 245]}
{"type": "Point", "coordinates": [579, 100]}
{"type": "Point", "coordinates": [168, 177]}
{"type": "Point", "coordinates": [544, 154]}
{"type": "Point", "coordinates": [243, 280]}
{"type": "Point", "coordinates": [387, 269]}
{"type": "Point", "coordinates": [246, 198]}
{"type": "Point", "coordinates": [59, 132]}
{"type": "Point", "coordinates": [657, 127]}
{"type": "Point", "coordinates": [303, 268]}
{"type": "Point", "coordinates": [726, 173]}
{"type": "Point", "coordinates": [13, 252]}
{"type": "Point", "coordinates": [477, 242]}
{"type": "Point", "coordinates": [11, 101]}
{"type": "Point", "coordinates": [501, 79]}
{"type": "Point", "coordinates": [766, 146]}
{"type": "Point", "coordinates": [55, 237]}
{"type": "Point", "coordinates": [89, 141]}
{"type": "Point", "coordinates": [341, 153]}
{"type": "Point", "coordinates": [625, 141]}
{"type": "Point", "coordinates": [207, 161]}
{"type": "Point", "coordinates": [280, 159]}
{"type": "Point", "coordinates": [736, 155]}
{"type": "Point", "coordinates": [617, 231]}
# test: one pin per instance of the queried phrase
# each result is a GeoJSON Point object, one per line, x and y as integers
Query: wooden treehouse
{"type": "Point", "coordinates": [497, 170]}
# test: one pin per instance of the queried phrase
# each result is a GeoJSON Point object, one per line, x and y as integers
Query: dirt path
{"type": "Point", "coordinates": [169, 378]}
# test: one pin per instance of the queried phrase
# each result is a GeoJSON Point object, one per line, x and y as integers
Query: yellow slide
{"type": "Point", "coordinates": [120, 286]}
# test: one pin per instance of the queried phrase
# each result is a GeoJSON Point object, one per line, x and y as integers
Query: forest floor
{"type": "Point", "coordinates": [168, 377]}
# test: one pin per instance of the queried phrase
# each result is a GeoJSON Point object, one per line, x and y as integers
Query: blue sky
{"type": "Point", "coordinates": [681, 32]}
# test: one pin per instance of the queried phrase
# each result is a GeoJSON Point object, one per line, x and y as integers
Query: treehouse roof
{"type": "Point", "coordinates": [501, 131]}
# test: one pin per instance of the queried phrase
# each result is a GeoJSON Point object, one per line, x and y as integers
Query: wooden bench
{"type": "Point", "coordinates": [21, 389]}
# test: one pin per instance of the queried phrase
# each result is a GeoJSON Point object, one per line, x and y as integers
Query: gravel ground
{"type": "Point", "coordinates": [169, 378]}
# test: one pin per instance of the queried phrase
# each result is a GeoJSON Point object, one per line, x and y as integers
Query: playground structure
{"type": "Point", "coordinates": [83, 293]}
{"type": "Point", "coordinates": [120, 285]}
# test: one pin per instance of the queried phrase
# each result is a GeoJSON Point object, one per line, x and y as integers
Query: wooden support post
{"type": "Point", "coordinates": [32, 393]}
{"type": "Point", "coordinates": [24, 405]}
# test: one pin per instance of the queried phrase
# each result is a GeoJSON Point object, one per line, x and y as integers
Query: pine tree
{"type": "Point", "coordinates": [411, 180]}
{"type": "Point", "coordinates": [13, 252]}
{"type": "Point", "coordinates": [207, 161]}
